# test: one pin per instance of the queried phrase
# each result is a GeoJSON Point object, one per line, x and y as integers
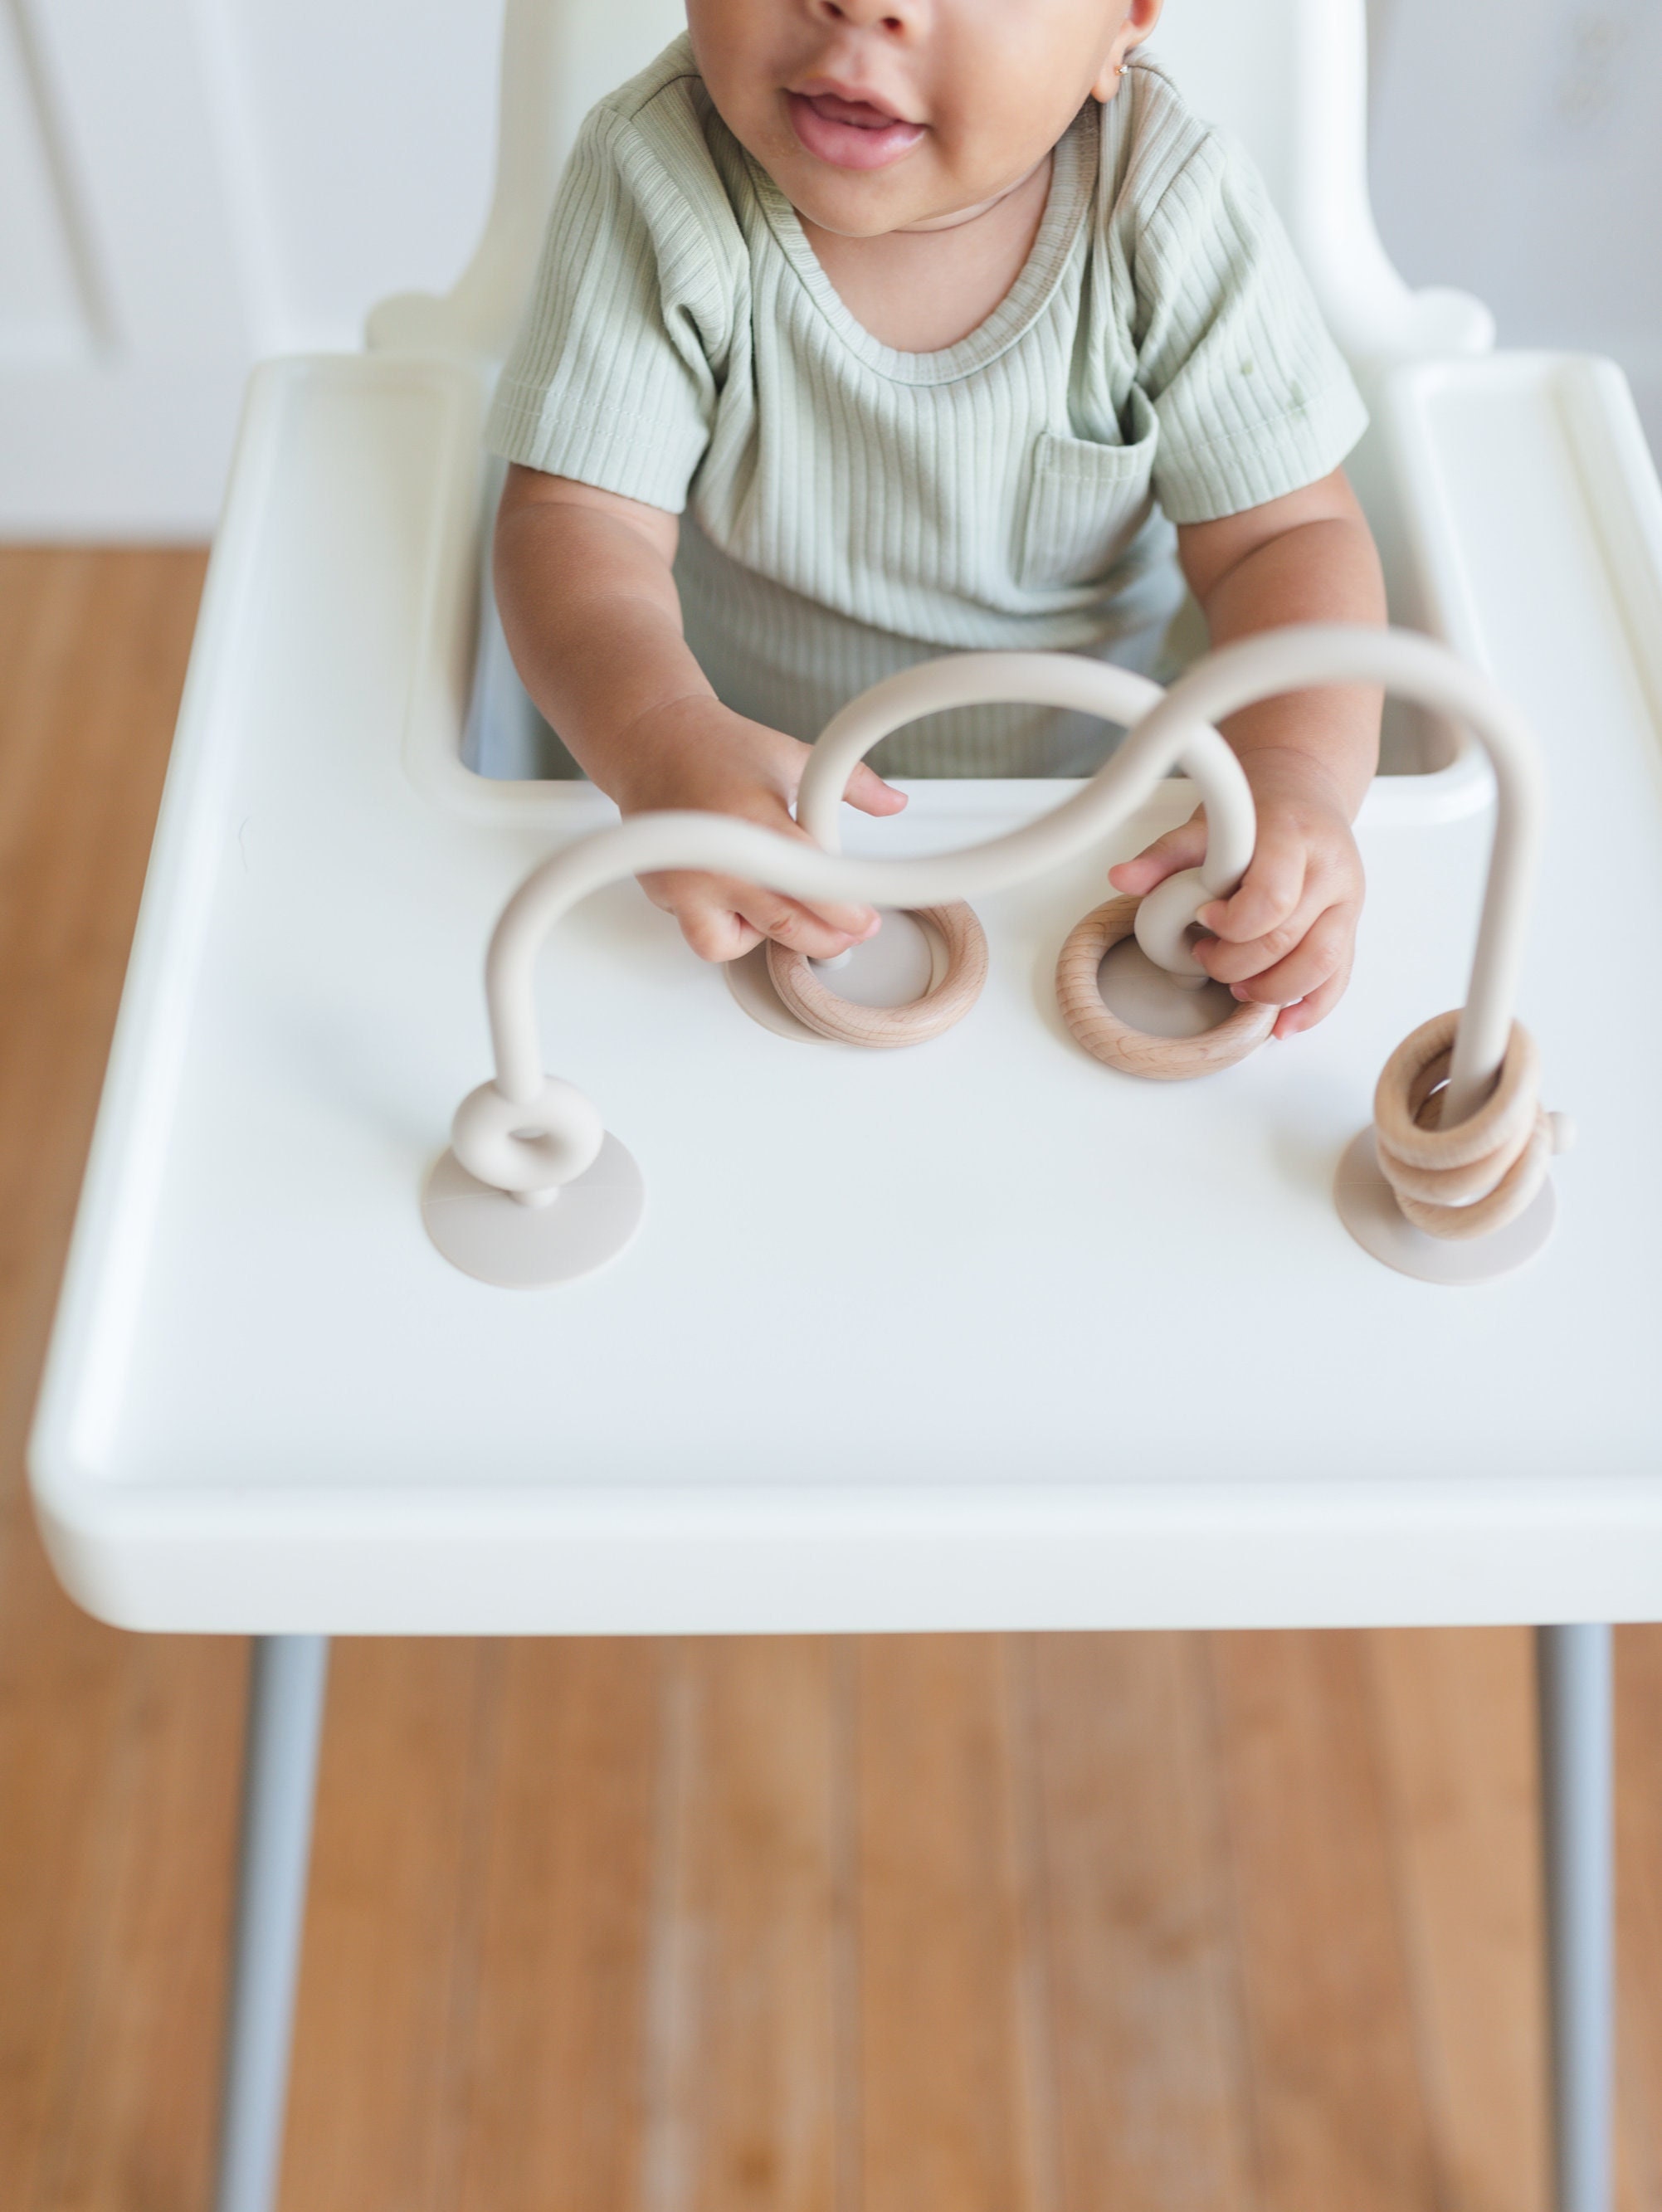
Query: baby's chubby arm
{"type": "Point", "coordinates": [593, 620]}
{"type": "Point", "coordinates": [1287, 935]}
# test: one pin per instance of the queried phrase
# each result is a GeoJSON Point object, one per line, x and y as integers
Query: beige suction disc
{"type": "Point", "coordinates": [495, 1238]}
{"type": "Point", "coordinates": [752, 986]}
{"type": "Point", "coordinates": [1155, 1027]}
{"type": "Point", "coordinates": [1368, 1208]}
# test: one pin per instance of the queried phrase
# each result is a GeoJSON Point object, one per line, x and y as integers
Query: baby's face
{"type": "Point", "coordinates": [879, 115]}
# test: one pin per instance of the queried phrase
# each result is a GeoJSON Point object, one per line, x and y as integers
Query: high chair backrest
{"type": "Point", "coordinates": [1288, 76]}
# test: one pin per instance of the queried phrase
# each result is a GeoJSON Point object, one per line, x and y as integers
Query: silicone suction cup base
{"type": "Point", "coordinates": [904, 960]}
{"type": "Point", "coordinates": [1158, 1005]}
{"type": "Point", "coordinates": [493, 1237]}
{"type": "Point", "coordinates": [1370, 1211]}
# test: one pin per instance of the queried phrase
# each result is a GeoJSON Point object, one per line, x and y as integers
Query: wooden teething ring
{"type": "Point", "coordinates": [1106, 1037]}
{"type": "Point", "coordinates": [812, 1002]}
{"type": "Point", "coordinates": [1474, 1178]}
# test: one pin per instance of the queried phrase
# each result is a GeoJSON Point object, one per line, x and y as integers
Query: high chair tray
{"type": "Point", "coordinates": [974, 1335]}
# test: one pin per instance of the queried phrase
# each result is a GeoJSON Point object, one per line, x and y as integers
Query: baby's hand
{"type": "Point", "coordinates": [1286, 937]}
{"type": "Point", "coordinates": [696, 753]}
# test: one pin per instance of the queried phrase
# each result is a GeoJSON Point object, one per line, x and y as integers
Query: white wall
{"type": "Point", "coordinates": [188, 185]}
{"type": "Point", "coordinates": [1517, 153]}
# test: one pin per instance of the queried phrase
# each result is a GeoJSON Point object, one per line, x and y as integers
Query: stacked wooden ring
{"type": "Point", "coordinates": [946, 1001]}
{"type": "Point", "coordinates": [1474, 1178]}
{"type": "Point", "coordinates": [1106, 1037]}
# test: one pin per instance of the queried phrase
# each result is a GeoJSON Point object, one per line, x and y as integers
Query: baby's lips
{"type": "Point", "coordinates": [864, 114]}
{"type": "Point", "coordinates": [846, 145]}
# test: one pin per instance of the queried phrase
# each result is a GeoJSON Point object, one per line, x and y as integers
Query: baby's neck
{"type": "Point", "coordinates": [924, 288]}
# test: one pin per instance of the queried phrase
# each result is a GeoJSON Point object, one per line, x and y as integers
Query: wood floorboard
{"type": "Point", "coordinates": [745, 1967]}
{"type": "Point", "coordinates": [391, 1941]}
{"type": "Point", "coordinates": [134, 2125]}
{"type": "Point", "coordinates": [1340, 2111]}
{"type": "Point", "coordinates": [947, 2061]}
{"type": "Point", "coordinates": [558, 2055]}
{"type": "Point", "coordinates": [61, 1699]}
{"type": "Point", "coordinates": [1459, 1776]}
{"type": "Point", "coordinates": [117, 1757]}
{"type": "Point", "coordinates": [1639, 1919]}
{"type": "Point", "coordinates": [1153, 2094]}
{"type": "Point", "coordinates": [1074, 1924]}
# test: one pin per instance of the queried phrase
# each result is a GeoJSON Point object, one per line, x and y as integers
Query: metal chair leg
{"type": "Point", "coordinates": [1578, 1829]}
{"type": "Point", "coordinates": [285, 1724]}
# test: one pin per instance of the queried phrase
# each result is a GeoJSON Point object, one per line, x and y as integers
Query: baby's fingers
{"type": "Point", "coordinates": [1182, 848]}
{"type": "Point", "coordinates": [867, 791]}
{"type": "Point", "coordinates": [1267, 898]}
{"type": "Point", "coordinates": [1321, 950]}
{"type": "Point", "coordinates": [819, 931]}
{"type": "Point", "coordinates": [714, 931]}
{"type": "Point", "coordinates": [722, 918]}
{"type": "Point", "coordinates": [1315, 1006]}
{"type": "Point", "coordinates": [1237, 964]}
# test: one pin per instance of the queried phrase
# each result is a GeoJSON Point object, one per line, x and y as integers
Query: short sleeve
{"type": "Point", "coordinates": [1253, 398]}
{"type": "Point", "coordinates": [612, 377]}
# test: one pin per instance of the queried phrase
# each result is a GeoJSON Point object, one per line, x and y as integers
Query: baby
{"type": "Point", "coordinates": [870, 330]}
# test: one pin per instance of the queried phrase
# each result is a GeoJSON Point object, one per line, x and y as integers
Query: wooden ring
{"type": "Point", "coordinates": [1472, 1179]}
{"type": "Point", "coordinates": [946, 1002]}
{"type": "Point", "coordinates": [1107, 1038]}
{"type": "Point", "coordinates": [1456, 1223]}
{"type": "Point", "coordinates": [1463, 1182]}
{"type": "Point", "coordinates": [1406, 1107]}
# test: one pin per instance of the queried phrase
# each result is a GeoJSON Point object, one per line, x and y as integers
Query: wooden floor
{"type": "Point", "coordinates": [951, 1924]}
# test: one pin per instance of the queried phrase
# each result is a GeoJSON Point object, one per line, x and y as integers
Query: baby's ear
{"type": "Point", "coordinates": [1108, 84]}
{"type": "Point", "coordinates": [1140, 18]}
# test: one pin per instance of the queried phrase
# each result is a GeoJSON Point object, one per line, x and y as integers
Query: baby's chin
{"type": "Point", "coordinates": [868, 204]}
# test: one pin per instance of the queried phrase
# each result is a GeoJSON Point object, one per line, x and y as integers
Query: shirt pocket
{"type": "Point", "coordinates": [1085, 503]}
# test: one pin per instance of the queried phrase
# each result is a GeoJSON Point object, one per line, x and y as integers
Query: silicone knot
{"type": "Point", "coordinates": [1165, 917]}
{"type": "Point", "coordinates": [528, 1150]}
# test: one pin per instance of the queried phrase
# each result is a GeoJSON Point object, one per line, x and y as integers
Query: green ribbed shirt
{"type": "Point", "coordinates": [848, 509]}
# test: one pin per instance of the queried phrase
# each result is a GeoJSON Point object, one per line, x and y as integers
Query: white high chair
{"type": "Point", "coordinates": [272, 1409]}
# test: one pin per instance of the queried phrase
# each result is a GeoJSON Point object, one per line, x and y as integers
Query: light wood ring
{"type": "Point", "coordinates": [1472, 1179]}
{"type": "Point", "coordinates": [1515, 1190]}
{"type": "Point", "coordinates": [1406, 1114]}
{"type": "Point", "coordinates": [946, 1002]}
{"type": "Point", "coordinates": [1107, 1038]}
{"type": "Point", "coordinates": [1460, 1182]}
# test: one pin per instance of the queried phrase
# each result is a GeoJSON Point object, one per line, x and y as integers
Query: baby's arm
{"type": "Point", "coordinates": [1287, 935]}
{"type": "Point", "coordinates": [593, 620]}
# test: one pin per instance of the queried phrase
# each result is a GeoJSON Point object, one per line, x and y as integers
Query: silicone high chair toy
{"type": "Point", "coordinates": [272, 1408]}
{"type": "Point", "coordinates": [1461, 1143]}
